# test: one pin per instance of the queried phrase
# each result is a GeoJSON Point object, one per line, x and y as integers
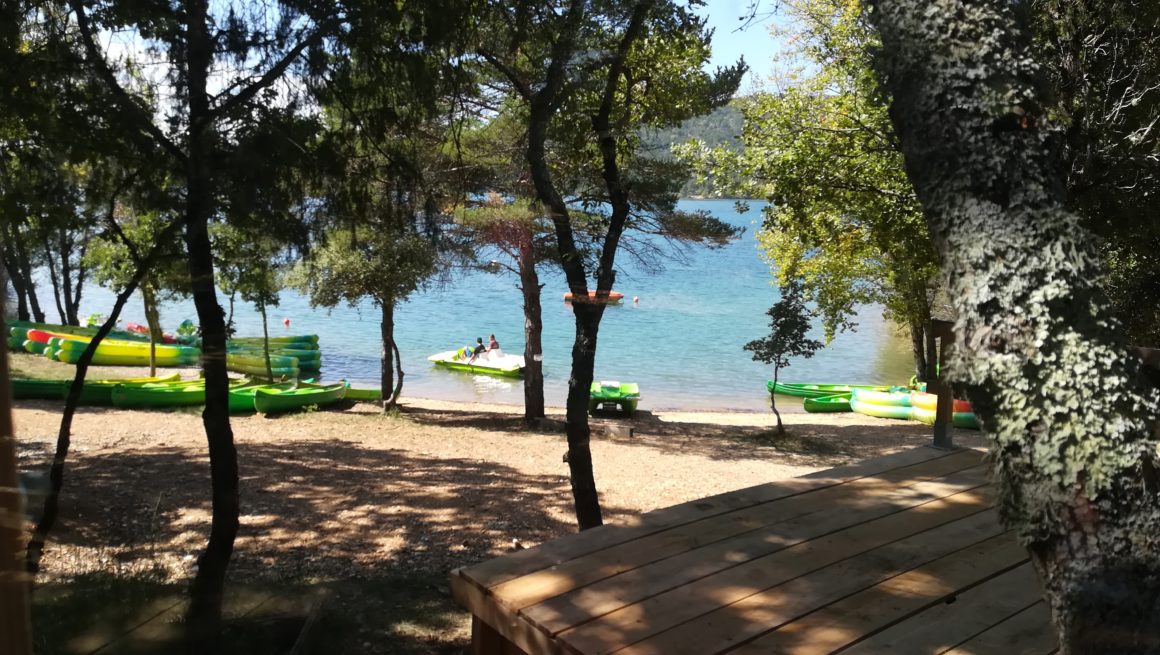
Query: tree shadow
{"type": "Point", "coordinates": [365, 521]}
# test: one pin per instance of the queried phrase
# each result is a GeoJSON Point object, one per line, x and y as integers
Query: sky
{"type": "Point", "coordinates": [730, 43]}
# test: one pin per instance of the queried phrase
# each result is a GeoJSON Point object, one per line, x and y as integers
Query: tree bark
{"type": "Point", "coordinates": [918, 350]}
{"type": "Point", "coordinates": [18, 287]}
{"type": "Point", "coordinates": [48, 515]}
{"type": "Point", "coordinates": [773, 403]}
{"type": "Point", "coordinates": [205, 607]}
{"type": "Point", "coordinates": [1069, 417]}
{"type": "Point", "coordinates": [266, 341]}
{"type": "Point", "coordinates": [15, 613]}
{"type": "Point", "coordinates": [387, 354]}
{"type": "Point", "coordinates": [588, 513]}
{"type": "Point", "coordinates": [25, 266]}
{"type": "Point", "coordinates": [153, 320]}
{"type": "Point", "coordinates": [533, 333]}
{"type": "Point", "coordinates": [54, 279]}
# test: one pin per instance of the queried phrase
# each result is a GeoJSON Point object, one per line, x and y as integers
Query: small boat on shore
{"type": "Point", "coordinates": [242, 396]}
{"type": "Point", "coordinates": [614, 395]}
{"type": "Point", "coordinates": [94, 392]}
{"type": "Point", "coordinates": [818, 390]}
{"type": "Point", "coordinates": [364, 395]}
{"type": "Point", "coordinates": [836, 403]}
{"type": "Point", "coordinates": [593, 296]}
{"type": "Point", "coordinates": [490, 363]}
{"type": "Point", "coordinates": [276, 401]}
{"type": "Point", "coordinates": [181, 394]}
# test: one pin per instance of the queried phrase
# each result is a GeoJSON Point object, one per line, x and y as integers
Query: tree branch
{"type": "Point", "coordinates": [144, 120]}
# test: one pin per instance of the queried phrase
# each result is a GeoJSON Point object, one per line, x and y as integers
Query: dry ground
{"type": "Point", "coordinates": [382, 507]}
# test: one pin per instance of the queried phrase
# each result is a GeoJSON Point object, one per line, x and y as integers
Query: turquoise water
{"type": "Point", "coordinates": [681, 342]}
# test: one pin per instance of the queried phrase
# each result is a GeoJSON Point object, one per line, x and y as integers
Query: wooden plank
{"type": "Point", "coordinates": [573, 608]}
{"type": "Point", "coordinates": [542, 585]}
{"type": "Point", "coordinates": [839, 624]}
{"type": "Point", "coordinates": [486, 641]}
{"type": "Point", "coordinates": [749, 617]}
{"type": "Point", "coordinates": [946, 624]}
{"type": "Point", "coordinates": [1029, 632]}
{"type": "Point", "coordinates": [514, 565]}
{"type": "Point", "coordinates": [635, 622]}
{"type": "Point", "coordinates": [484, 608]}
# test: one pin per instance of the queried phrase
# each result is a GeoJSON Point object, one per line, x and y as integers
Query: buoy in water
{"type": "Point", "coordinates": [635, 299]}
{"type": "Point", "coordinates": [286, 322]}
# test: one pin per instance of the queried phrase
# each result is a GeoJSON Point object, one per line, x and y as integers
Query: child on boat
{"type": "Point", "coordinates": [478, 350]}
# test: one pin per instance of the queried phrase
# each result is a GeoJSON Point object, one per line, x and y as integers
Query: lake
{"type": "Point", "coordinates": [682, 342]}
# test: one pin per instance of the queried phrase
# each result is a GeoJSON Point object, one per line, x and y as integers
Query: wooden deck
{"type": "Point", "coordinates": [903, 554]}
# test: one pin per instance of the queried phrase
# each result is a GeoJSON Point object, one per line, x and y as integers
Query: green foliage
{"type": "Point", "coordinates": [1102, 61]}
{"type": "Point", "coordinates": [384, 268]}
{"type": "Point", "coordinates": [789, 325]}
{"type": "Point", "coordinates": [842, 215]}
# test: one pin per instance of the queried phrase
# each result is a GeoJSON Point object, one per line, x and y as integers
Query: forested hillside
{"type": "Point", "coordinates": [720, 128]}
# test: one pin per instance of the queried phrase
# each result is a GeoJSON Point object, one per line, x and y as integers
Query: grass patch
{"type": "Point", "coordinates": [92, 610]}
{"type": "Point", "coordinates": [120, 614]}
{"type": "Point", "coordinates": [412, 615]}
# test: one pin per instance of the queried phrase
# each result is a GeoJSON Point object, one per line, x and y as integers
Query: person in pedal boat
{"type": "Point", "coordinates": [478, 350]}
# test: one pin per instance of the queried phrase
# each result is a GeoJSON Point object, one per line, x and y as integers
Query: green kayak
{"type": "Point", "coordinates": [39, 389]}
{"type": "Point", "coordinates": [365, 395]}
{"type": "Point", "coordinates": [242, 397]}
{"type": "Point", "coordinates": [94, 392]}
{"type": "Point", "coordinates": [836, 403]}
{"type": "Point", "coordinates": [815, 390]}
{"type": "Point", "coordinates": [273, 401]}
{"type": "Point", "coordinates": [159, 395]}
{"type": "Point", "coordinates": [614, 396]}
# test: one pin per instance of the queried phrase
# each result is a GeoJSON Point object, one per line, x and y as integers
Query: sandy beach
{"type": "Point", "coordinates": [350, 493]}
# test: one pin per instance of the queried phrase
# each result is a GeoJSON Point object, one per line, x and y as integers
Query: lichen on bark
{"type": "Point", "coordinates": [1068, 415]}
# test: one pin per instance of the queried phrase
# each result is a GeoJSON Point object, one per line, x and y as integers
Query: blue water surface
{"type": "Point", "coordinates": [681, 342]}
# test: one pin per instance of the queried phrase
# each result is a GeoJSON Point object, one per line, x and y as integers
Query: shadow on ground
{"type": "Point", "coordinates": [379, 528]}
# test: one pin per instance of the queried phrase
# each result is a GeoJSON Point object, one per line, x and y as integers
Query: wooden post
{"type": "Point", "coordinates": [15, 626]}
{"type": "Point", "coordinates": [944, 414]}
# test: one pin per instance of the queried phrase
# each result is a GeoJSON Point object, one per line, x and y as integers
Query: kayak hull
{"type": "Point", "coordinates": [817, 390]}
{"type": "Point", "coordinates": [612, 297]}
{"type": "Point", "coordinates": [364, 395]}
{"type": "Point", "coordinates": [267, 401]}
{"type": "Point", "coordinates": [835, 403]}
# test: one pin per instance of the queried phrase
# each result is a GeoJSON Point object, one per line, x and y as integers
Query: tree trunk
{"type": "Point", "coordinates": [533, 332]}
{"type": "Point", "coordinates": [918, 350]}
{"type": "Point", "coordinates": [22, 262]}
{"type": "Point", "coordinates": [54, 279]}
{"type": "Point", "coordinates": [15, 614]}
{"type": "Point", "coordinates": [205, 594]}
{"type": "Point", "coordinates": [48, 515]}
{"type": "Point", "coordinates": [387, 354]}
{"type": "Point", "coordinates": [584, 494]}
{"type": "Point", "coordinates": [153, 320]}
{"type": "Point", "coordinates": [266, 341]}
{"type": "Point", "coordinates": [773, 403]}
{"type": "Point", "coordinates": [1069, 417]}
{"type": "Point", "coordinates": [72, 304]}
{"type": "Point", "coordinates": [18, 287]}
